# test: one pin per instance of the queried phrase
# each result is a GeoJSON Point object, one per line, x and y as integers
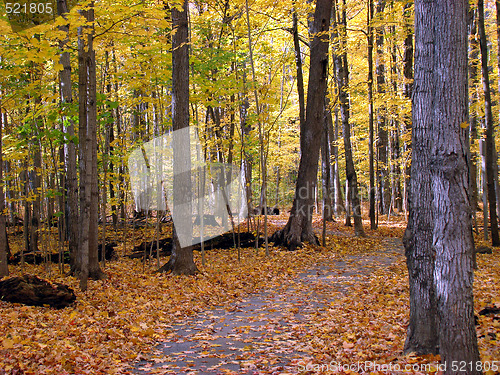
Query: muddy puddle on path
{"type": "Point", "coordinates": [264, 332]}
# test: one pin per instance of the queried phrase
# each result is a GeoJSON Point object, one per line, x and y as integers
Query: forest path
{"type": "Point", "coordinates": [264, 332]}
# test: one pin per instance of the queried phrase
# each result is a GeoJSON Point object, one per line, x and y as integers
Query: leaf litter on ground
{"type": "Point", "coordinates": [118, 321]}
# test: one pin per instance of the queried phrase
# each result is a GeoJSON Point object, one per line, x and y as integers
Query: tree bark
{"type": "Point", "coordinates": [326, 165]}
{"type": "Point", "coordinates": [35, 184]}
{"type": "Point", "coordinates": [342, 81]}
{"type": "Point", "coordinates": [439, 243]}
{"type": "Point", "coordinates": [338, 198]}
{"type": "Point", "coordinates": [181, 261]}
{"type": "Point", "coordinates": [84, 163]}
{"type": "Point", "coordinates": [89, 196]}
{"type": "Point", "coordinates": [422, 334]}
{"type": "Point", "coordinates": [95, 271]}
{"type": "Point", "coordinates": [246, 128]}
{"type": "Point", "coordinates": [299, 226]}
{"type": "Point", "coordinates": [407, 92]}
{"type": "Point", "coordinates": [371, 197]}
{"type": "Point", "coordinates": [395, 175]}
{"type": "Point", "coordinates": [473, 99]}
{"type": "Point", "coordinates": [70, 178]}
{"type": "Point", "coordinates": [262, 154]}
{"type": "Point", "coordinates": [452, 228]}
{"type": "Point", "coordinates": [383, 139]}
{"type": "Point", "coordinates": [298, 66]}
{"type": "Point", "coordinates": [4, 269]}
{"type": "Point", "coordinates": [490, 139]}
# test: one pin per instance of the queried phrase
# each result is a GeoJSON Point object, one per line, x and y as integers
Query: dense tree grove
{"type": "Point", "coordinates": [353, 110]}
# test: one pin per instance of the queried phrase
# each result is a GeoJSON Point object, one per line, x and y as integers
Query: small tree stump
{"type": "Point", "coordinates": [32, 290]}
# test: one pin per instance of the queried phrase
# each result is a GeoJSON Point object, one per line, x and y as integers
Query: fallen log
{"type": "Point", "coordinates": [261, 211]}
{"type": "Point", "coordinates": [139, 251]}
{"type": "Point", "coordinates": [224, 241]}
{"type": "Point", "coordinates": [38, 257]}
{"type": "Point", "coordinates": [227, 241]}
{"type": "Point", "coordinates": [34, 291]}
{"type": "Point", "coordinates": [490, 310]}
{"type": "Point", "coordinates": [483, 250]}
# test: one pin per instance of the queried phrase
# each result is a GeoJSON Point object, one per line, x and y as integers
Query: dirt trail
{"type": "Point", "coordinates": [260, 334]}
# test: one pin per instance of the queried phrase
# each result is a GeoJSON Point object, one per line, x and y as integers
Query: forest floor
{"type": "Point", "coordinates": [315, 310]}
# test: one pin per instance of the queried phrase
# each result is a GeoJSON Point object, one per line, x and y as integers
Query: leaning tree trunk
{"type": "Point", "coordinates": [298, 66]}
{"type": "Point", "coordinates": [342, 80]}
{"type": "Point", "coordinates": [422, 334]}
{"type": "Point", "coordinates": [181, 261]}
{"type": "Point", "coordinates": [299, 226]}
{"type": "Point", "coordinates": [452, 231]}
{"type": "Point", "coordinates": [490, 139]}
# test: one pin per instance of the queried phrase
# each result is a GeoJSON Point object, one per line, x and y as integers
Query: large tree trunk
{"type": "Point", "coordinates": [246, 128]}
{"type": "Point", "coordinates": [337, 197]}
{"type": "Point", "coordinates": [298, 66]}
{"type": "Point", "coordinates": [383, 139]}
{"type": "Point", "coordinates": [36, 183]}
{"type": "Point", "coordinates": [262, 154]}
{"type": "Point", "coordinates": [342, 80]}
{"type": "Point", "coordinates": [395, 175]}
{"type": "Point", "coordinates": [95, 271]}
{"type": "Point", "coordinates": [70, 178]}
{"type": "Point", "coordinates": [326, 165]}
{"type": "Point", "coordinates": [439, 242]}
{"type": "Point", "coordinates": [371, 197]}
{"type": "Point", "coordinates": [407, 91]}
{"type": "Point", "coordinates": [181, 261]}
{"type": "Point", "coordinates": [422, 334]}
{"type": "Point", "coordinates": [299, 226]}
{"type": "Point", "coordinates": [473, 99]}
{"type": "Point", "coordinates": [4, 269]}
{"type": "Point", "coordinates": [87, 241]}
{"type": "Point", "coordinates": [490, 139]}
{"type": "Point", "coordinates": [84, 163]}
{"type": "Point", "coordinates": [452, 230]}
